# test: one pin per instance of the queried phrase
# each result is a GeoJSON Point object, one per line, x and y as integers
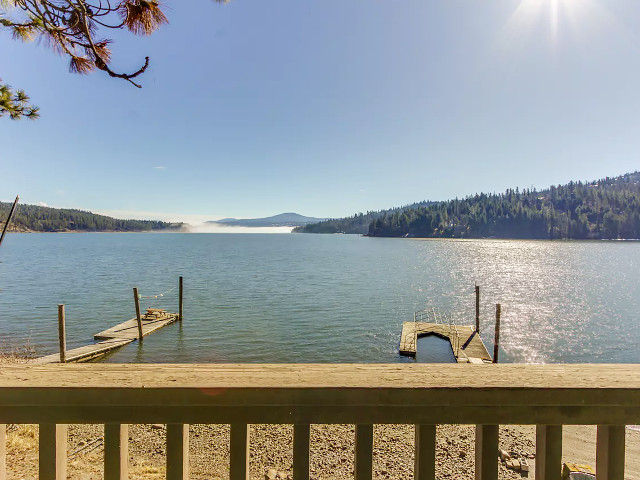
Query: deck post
{"type": "Point", "coordinates": [177, 451]}
{"type": "Point", "coordinates": [3, 451]}
{"type": "Point", "coordinates": [62, 336]}
{"type": "Point", "coordinates": [548, 452]}
{"type": "Point", "coordinates": [425, 453]}
{"type": "Point", "coordinates": [301, 435]}
{"type": "Point", "coordinates": [136, 298]}
{"type": "Point", "coordinates": [477, 308]}
{"type": "Point", "coordinates": [487, 452]}
{"type": "Point", "coordinates": [52, 459]}
{"type": "Point", "coordinates": [610, 452]}
{"type": "Point", "coordinates": [116, 451]}
{"type": "Point", "coordinates": [364, 452]}
{"type": "Point", "coordinates": [180, 300]}
{"type": "Point", "coordinates": [239, 452]}
{"type": "Point", "coordinates": [496, 343]}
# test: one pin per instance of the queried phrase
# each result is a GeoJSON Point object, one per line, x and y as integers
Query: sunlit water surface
{"type": "Point", "coordinates": [322, 298]}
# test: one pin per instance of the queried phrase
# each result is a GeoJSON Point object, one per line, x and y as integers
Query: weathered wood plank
{"type": "Point", "coordinates": [87, 352]}
{"type": "Point", "coordinates": [548, 452]}
{"type": "Point", "coordinates": [610, 452]}
{"type": "Point", "coordinates": [52, 453]}
{"type": "Point", "coordinates": [623, 378]}
{"type": "Point", "coordinates": [239, 452]}
{"type": "Point", "coordinates": [116, 451]}
{"type": "Point", "coordinates": [425, 452]}
{"type": "Point", "coordinates": [129, 329]}
{"type": "Point", "coordinates": [177, 451]}
{"type": "Point", "coordinates": [301, 435]}
{"type": "Point", "coordinates": [487, 452]}
{"type": "Point", "coordinates": [3, 451]}
{"type": "Point", "coordinates": [364, 452]}
{"type": "Point", "coordinates": [325, 414]}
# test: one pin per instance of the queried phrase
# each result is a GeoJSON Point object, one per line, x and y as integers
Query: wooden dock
{"type": "Point", "coordinates": [129, 329]}
{"type": "Point", "coordinates": [466, 344]}
{"type": "Point", "coordinates": [114, 337]}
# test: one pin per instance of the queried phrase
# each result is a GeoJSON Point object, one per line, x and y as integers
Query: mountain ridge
{"type": "Point", "coordinates": [287, 219]}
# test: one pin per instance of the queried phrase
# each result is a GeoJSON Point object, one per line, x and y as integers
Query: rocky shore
{"type": "Point", "coordinates": [331, 451]}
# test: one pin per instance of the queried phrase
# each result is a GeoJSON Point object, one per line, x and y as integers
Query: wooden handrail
{"type": "Point", "coordinates": [420, 394]}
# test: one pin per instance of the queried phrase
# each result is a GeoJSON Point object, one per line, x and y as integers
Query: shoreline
{"type": "Point", "coordinates": [183, 230]}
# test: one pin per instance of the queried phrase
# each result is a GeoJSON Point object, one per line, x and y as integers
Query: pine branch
{"type": "Point", "coordinates": [15, 104]}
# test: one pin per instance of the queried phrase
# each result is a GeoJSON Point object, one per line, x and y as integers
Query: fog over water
{"type": "Point", "coordinates": [221, 228]}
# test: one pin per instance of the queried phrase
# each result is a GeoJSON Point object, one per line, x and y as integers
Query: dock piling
{"type": "Point", "coordinates": [61, 333]}
{"type": "Point", "coordinates": [136, 298]}
{"type": "Point", "coordinates": [477, 308]}
{"type": "Point", "coordinates": [496, 343]}
{"type": "Point", "coordinates": [180, 300]}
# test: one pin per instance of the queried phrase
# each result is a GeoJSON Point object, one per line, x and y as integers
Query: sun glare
{"type": "Point", "coordinates": [556, 14]}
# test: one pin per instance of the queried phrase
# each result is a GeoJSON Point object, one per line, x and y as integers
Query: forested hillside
{"type": "Point", "coordinates": [358, 223]}
{"type": "Point", "coordinates": [45, 219]}
{"type": "Point", "coordinates": [604, 209]}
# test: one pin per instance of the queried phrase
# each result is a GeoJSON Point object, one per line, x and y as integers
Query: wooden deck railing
{"type": "Point", "coordinates": [420, 394]}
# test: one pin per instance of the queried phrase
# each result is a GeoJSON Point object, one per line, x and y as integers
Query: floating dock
{"type": "Point", "coordinates": [129, 329]}
{"type": "Point", "coordinates": [466, 344]}
{"type": "Point", "coordinates": [115, 337]}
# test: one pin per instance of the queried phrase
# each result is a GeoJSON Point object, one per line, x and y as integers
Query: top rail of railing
{"type": "Point", "coordinates": [338, 393]}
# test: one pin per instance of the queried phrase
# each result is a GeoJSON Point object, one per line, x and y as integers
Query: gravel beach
{"type": "Point", "coordinates": [331, 451]}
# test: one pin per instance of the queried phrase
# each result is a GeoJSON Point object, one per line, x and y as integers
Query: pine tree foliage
{"type": "Point", "coordinates": [15, 104]}
{"type": "Point", "coordinates": [46, 219]}
{"type": "Point", "coordinates": [75, 29]}
{"type": "Point", "coordinates": [358, 223]}
{"type": "Point", "coordinates": [604, 209]}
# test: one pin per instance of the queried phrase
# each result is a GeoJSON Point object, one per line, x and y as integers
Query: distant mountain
{"type": "Point", "coordinates": [34, 218]}
{"type": "Point", "coordinates": [289, 219]}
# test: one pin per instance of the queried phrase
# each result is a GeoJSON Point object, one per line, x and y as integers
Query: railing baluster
{"type": "Point", "coordinates": [52, 451]}
{"type": "Point", "coordinates": [610, 452]}
{"type": "Point", "coordinates": [364, 452]}
{"type": "Point", "coordinates": [548, 452]}
{"type": "Point", "coordinates": [116, 451]}
{"type": "Point", "coordinates": [239, 452]}
{"type": "Point", "coordinates": [487, 452]}
{"type": "Point", "coordinates": [177, 451]}
{"type": "Point", "coordinates": [301, 435]}
{"type": "Point", "coordinates": [425, 455]}
{"type": "Point", "coordinates": [3, 451]}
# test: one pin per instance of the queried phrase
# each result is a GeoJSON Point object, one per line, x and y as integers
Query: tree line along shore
{"type": "Point", "coordinates": [35, 218]}
{"type": "Point", "coordinates": [604, 209]}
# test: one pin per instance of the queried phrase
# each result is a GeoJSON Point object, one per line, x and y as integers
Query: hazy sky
{"type": "Point", "coordinates": [330, 107]}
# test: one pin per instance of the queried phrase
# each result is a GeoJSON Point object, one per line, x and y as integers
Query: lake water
{"type": "Point", "coordinates": [322, 298]}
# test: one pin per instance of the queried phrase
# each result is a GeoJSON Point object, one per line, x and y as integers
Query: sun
{"type": "Point", "coordinates": [556, 14]}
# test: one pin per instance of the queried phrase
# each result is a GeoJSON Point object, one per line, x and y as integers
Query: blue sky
{"type": "Point", "coordinates": [330, 107]}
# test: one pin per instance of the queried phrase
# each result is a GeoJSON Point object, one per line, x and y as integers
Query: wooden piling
{"type": "Point", "coordinates": [6, 225]}
{"type": "Point", "coordinates": [136, 298]}
{"type": "Point", "coordinates": [477, 308]}
{"type": "Point", "coordinates": [180, 300]}
{"type": "Point", "coordinates": [62, 336]}
{"type": "Point", "coordinates": [496, 343]}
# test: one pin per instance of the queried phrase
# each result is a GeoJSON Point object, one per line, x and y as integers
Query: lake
{"type": "Point", "coordinates": [322, 298]}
